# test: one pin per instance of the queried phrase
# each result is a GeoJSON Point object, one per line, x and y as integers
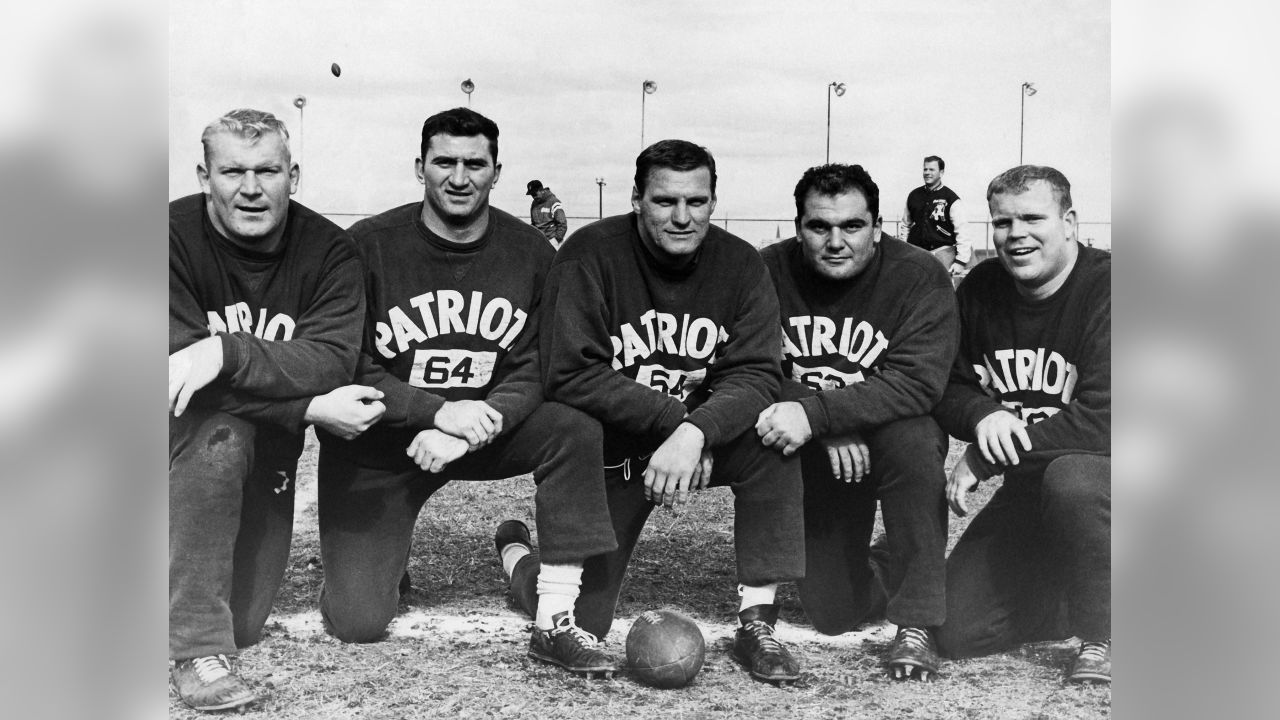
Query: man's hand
{"type": "Point", "coordinates": [346, 411]}
{"type": "Point", "coordinates": [849, 456]}
{"type": "Point", "coordinates": [471, 420]}
{"type": "Point", "coordinates": [784, 426]}
{"type": "Point", "coordinates": [671, 469]}
{"type": "Point", "coordinates": [962, 482]}
{"type": "Point", "coordinates": [432, 449]}
{"type": "Point", "coordinates": [702, 473]}
{"type": "Point", "coordinates": [957, 268]}
{"type": "Point", "coordinates": [190, 369]}
{"type": "Point", "coordinates": [995, 437]}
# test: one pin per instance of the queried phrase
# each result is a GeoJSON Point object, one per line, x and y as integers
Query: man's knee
{"type": "Point", "coordinates": [1077, 482]}
{"type": "Point", "coordinates": [357, 622]}
{"type": "Point", "coordinates": [910, 440]}
{"type": "Point", "coordinates": [573, 429]}
{"type": "Point", "coordinates": [215, 444]}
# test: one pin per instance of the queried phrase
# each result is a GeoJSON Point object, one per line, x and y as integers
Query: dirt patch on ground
{"type": "Point", "coordinates": [458, 647]}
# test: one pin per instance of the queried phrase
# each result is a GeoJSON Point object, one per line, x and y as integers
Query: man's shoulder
{"type": "Point", "coordinates": [905, 260]}
{"type": "Point", "coordinates": [186, 216]}
{"type": "Point", "coordinates": [984, 278]}
{"type": "Point", "coordinates": [777, 256]}
{"type": "Point", "coordinates": [735, 249]}
{"type": "Point", "coordinates": [396, 217]}
{"type": "Point", "coordinates": [1094, 266]}
{"type": "Point", "coordinates": [185, 207]}
{"type": "Point", "coordinates": [517, 235]}
{"type": "Point", "coordinates": [600, 238]}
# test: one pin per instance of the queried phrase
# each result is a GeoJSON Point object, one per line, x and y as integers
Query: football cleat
{"type": "Point", "coordinates": [755, 646]}
{"type": "Point", "coordinates": [207, 683]}
{"type": "Point", "coordinates": [913, 651]}
{"type": "Point", "coordinates": [1093, 663]}
{"type": "Point", "coordinates": [572, 648]}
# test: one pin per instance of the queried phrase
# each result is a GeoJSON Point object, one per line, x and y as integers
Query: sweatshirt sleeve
{"type": "Point", "coordinates": [746, 376]}
{"type": "Point", "coordinates": [322, 352]}
{"type": "Point", "coordinates": [519, 392]}
{"type": "Point", "coordinates": [408, 407]}
{"type": "Point", "coordinates": [1084, 425]}
{"type": "Point", "coordinates": [577, 358]}
{"type": "Point", "coordinates": [911, 378]}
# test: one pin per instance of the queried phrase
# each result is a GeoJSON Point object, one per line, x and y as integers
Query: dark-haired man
{"type": "Point", "coordinates": [265, 307]}
{"type": "Point", "coordinates": [665, 329]}
{"type": "Point", "coordinates": [451, 344]}
{"type": "Point", "coordinates": [546, 213]}
{"type": "Point", "coordinates": [869, 333]}
{"type": "Point", "coordinates": [933, 220]}
{"type": "Point", "coordinates": [1031, 389]}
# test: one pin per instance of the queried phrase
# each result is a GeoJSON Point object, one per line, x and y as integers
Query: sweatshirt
{"type": "Point", "coordinates": [871, 349]}
{"type": "Point", "coordinates": [1047, 361]}
{"type": "Point", "coordinates": [446, 322]}
{"type": "Point", "coordinates": [289, 320]}
{"type": "Point", "coordinates": [639, 344]}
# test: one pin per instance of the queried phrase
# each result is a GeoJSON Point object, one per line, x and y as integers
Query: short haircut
{"type": "Point", "coordinates": [679, 155]}
{"type": "Point", "coordinates": [247, 123]}
{"type": "Point", "coordinates": [837, 179]}
{"type": "Point", "coordinates": [1016, 181]}
{"type": "Point", "coordinates": [460, 122]}
{"type": "Point", "coordinates": [942, 164]}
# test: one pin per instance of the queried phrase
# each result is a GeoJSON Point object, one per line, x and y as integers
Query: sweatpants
{"type": "Point", "coordinates": [840, 589]}
{"type": "Point", "coordinates": [367, 514]}
{"type": "Point", "coordinates": [767, 528]}
{"type": "Point", "coordinates": [231, 490]}
{"type": "Point", "coordinates": [1035, 564]}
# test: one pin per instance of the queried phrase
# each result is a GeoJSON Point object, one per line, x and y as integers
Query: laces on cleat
{"type": "Point", "coordinates": [1093, 651]}
{"type": "Point", "coordinates": [212, 668]}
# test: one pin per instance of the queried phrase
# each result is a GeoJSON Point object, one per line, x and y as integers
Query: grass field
{"type": "Point", "coordinates": [458, 649]}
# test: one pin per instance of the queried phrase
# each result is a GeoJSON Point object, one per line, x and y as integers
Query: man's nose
{"type": "Point", "coordinates": [681, 215]}
{"type": "Point", "coordinates": [835, 240]}
{"type": "Point", "coordinates": [249, 184]}
{"type": "Point", "coordinates": [458, 177]}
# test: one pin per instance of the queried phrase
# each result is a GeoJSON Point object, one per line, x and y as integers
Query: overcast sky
{"type": "Point", "coordinates": [746, 79]}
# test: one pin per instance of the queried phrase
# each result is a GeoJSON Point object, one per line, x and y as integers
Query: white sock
{"type": "Point", "coordinates": [753, 595]}
{"type": "Point", "coordinates": [511, 555]}
{"type": "Point", "coordinates": [557, 591]}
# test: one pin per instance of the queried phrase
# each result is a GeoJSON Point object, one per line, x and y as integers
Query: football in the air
{"type": "Point", "coordinates": [335, 69]}
{"type": "Point", "coordinates": [665, 649]}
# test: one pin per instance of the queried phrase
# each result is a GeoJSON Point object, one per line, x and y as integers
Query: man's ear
{"type": "Point", "coordinates": [497, 173]}
{"type": "Point", "coordinates": [202, 176]}
{"type": "Point", "coordinates": [635, 199]}
{"type": "Point", "coordinates": [295, 174]}
{"type": "Point", "coordinates": [417, 170]}
{"type": "Point", "coordinates": [1073, 225]}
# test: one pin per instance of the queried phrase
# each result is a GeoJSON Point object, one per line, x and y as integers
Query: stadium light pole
{"type": "Point", "coordinates": [300, 102]}
{"type": "Point", "coordinates": [648, 88]}
{"type": "Point", "coordinates": [1027, 91]}
{"type": "Point", "coordinates": [600, 182]}
{"type": "Point", "coordinates": [468, 87]}
{"type": "Point", "coordinates": [838, 87]}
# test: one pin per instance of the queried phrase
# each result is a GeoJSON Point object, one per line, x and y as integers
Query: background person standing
{"type": "Point", "coordinates": [933, 220]}
{"type": "Point", "coordinates": [547, 213]}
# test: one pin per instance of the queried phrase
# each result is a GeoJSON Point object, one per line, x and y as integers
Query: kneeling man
{"type": "Point", "coordinates": [869, 332]}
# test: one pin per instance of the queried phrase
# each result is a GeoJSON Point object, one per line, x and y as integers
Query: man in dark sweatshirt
{"type": "Point", "coordinates": [1031, 389]}
{"type": "Point", "coordinates": [266, 302]}
{"type": "Point", "coordinates": [451, 347]}
{"type": "Point", "coordinates": [665, 329]}
{"type": "Point", "coordinates": [870, 331]}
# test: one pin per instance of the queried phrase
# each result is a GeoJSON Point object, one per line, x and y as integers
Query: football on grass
{"type": "Point", "coordinates": [665, 649]}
